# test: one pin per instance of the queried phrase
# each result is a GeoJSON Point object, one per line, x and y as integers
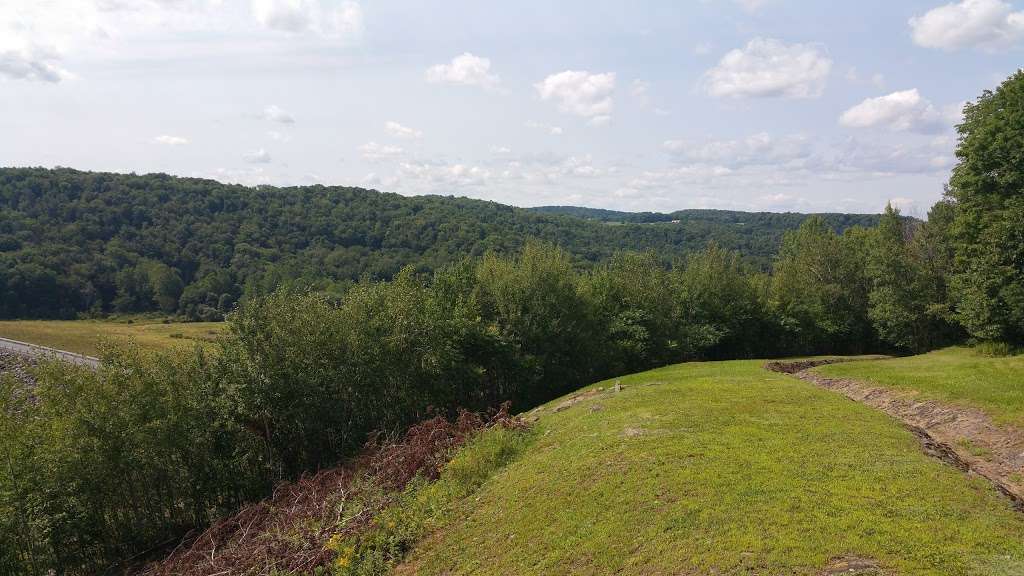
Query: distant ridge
{"type": "Point", "coordinates": [75, 242]}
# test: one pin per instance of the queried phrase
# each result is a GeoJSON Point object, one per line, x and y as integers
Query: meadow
{"type": "Point", "coordinates": [86, 336]}
{"type": "Point", "coordinates": [959, 375]}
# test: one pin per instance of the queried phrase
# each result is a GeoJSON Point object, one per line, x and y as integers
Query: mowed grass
{"type": "Point", "coordinates": [724, 468]}
{"type": "Point", "coordinates": [86, 336]}
{"type": "Point", "coordinates": [958, 375]}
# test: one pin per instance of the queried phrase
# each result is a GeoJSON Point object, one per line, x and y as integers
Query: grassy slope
{"type": "Point", "coordinates": [995, 385]}
{"type": "Point", "coordinates": [735, 470]}
{"type": "Point", "coordinates": [85, 336]}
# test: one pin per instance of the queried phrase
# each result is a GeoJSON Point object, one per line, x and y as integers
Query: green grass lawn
{"type": "Point", "coordinates": [723, 468]}
{"type": "Point", "coordinates": [960, 375]}
{"type": "Point", "coordinates": [85, 336]}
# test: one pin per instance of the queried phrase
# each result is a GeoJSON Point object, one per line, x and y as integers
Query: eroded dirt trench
{"type": "Point", "coordinates": [963, 437]}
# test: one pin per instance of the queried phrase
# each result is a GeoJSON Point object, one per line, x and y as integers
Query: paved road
{"type": "Point", "coordinates": [35, 350]}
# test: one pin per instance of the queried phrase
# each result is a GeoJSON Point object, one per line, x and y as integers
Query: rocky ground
{"type": "Point", "coordinates": [17, 366]}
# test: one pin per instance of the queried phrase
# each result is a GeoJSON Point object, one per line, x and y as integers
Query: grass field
{"type": "Point", "coordinates": [85, 336]}
{"type": "Point", "coordinates": [960, 375]}
{"type": "Point", "coordinates": [724, 468]}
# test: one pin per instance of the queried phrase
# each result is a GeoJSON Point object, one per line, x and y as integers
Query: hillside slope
{"type": "Point", "coordinates": [75, 241]}
{"type": "Point", "coordinates": [724, 468]}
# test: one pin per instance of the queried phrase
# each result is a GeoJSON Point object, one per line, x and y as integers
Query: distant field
{"type": "Point", "coordinates": [960, 375]}
{"type": "Point", "coordinates": [724, 468]}
{"type": "Point", "coordinates": [85, 336]}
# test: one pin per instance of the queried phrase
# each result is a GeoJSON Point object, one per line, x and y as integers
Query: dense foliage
{"type": "Point", "coordinates": [76, 242]}
{"type": "Point", "coordinates": [988, 189]}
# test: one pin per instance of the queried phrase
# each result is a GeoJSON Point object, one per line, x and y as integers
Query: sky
{"type": "Point", "coordinates": [776, 105]}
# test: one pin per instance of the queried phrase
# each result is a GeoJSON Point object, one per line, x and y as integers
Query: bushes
{"type": "Point", "coordinates": [101, 466]}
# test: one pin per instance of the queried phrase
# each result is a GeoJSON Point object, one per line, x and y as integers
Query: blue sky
{"type": "Point", "coordinates": [739, 104]}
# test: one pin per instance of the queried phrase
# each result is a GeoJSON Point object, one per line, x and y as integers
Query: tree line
{"type": "Point", "coordinates": [77, 243]}
{"type": "Point", "coordinates": [98, 468]}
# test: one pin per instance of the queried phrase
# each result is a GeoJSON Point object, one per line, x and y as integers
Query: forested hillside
{"type": "Point", "coordinates": [76, 242]}
{"type": "Point", "coordinates": [756, 220]}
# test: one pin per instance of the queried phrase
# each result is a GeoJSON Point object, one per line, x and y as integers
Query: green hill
{"type": "Point", "coordinates": [73, 242]}
{"type": "Point", "coordinates": [724, 468]}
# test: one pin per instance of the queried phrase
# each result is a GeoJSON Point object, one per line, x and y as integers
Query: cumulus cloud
{"type": "Point", "coordinates": [988, 25]}
{"type": "Point", "coordinates": [399, 131]}
{"type": "Point", "coordinates": [337, 20]}
{"type": "Point", "coordinates": [260, 156]}
{"type": "Point", "coordinates": [770, 68]}
{"type": "Point", "coordinates": [464, 69]}
{"type": "Point", "coordinates": [35, 35]}
{"type": "Point", "coordinates": [860, 158]}
{"type": "Point", "coordinates": [277, 114]}
{"type": "Point", "coordinates": [168, 140]}
{"type": "Point", "coordinates": [579, 92]}
{"type": "Point", "coordinates": [456, 174]}
{"type": "Point", "coordinates": [377, 152]}
{"type": "Point", "coordinates": [756, 149]}
{"type": "Point", "coordinates": [900, 111]}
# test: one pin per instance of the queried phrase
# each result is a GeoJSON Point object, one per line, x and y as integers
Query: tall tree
{"type": "Point", "coordinates": [988, 188]}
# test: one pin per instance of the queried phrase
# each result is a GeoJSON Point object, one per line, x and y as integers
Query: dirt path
{"type": "Point", "coordinates": [964, 437]}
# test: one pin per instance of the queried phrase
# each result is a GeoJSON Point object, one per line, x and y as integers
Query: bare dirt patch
{"type": "Point", "coordinates": [963, 437]}
{"type": "Point", "coordinates": [852, 566]}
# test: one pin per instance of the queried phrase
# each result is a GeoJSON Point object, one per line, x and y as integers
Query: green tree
{"type": "Point", "coordinates": [820, 291]}
{"type": "Point", "coordinates": [988, 187]}
{"type": "Point", "coordinates": [166, 285]}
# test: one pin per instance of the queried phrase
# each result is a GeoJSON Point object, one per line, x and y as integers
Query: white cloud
{"type": "Point", "coordinates": [600, 121]}
{"type": "Point", "coordinates": [457, 174]}
{"type": "Point", "coordinates": [35, 64]}
{"type": "Point", "coordinates": [374, 180]}
{"type": "Point", "coordinates": [702, 49]}
{"type": "Point", "coordinates": [278, 136]}
{"type": "Point", "coordinates": [552, 130]}
{"type": "Point", "coordinates": [277, 114]}
{"type": "Point", "coordinates": [36, 35]}
{"type": "Point", "coordinates": [335, 20]}
{"type": "Point", "coordinates": [464, 69]}
{"type": "Point", "coordinates": [757, 149]}
{"type": "Point", "coordinates": [399, 131]}
{"type": "Point", "coordinates": [858, 158]}
{"type": "Point", "coordinates": [900, 111]}
{"type": "Point", "coordinates": [769, 68]}
{"type": "Point", "coordinates": [988, 25]}
{"type": "Point", "coordinates": [168, 140]}
{"type": "Point", "coordinates": [377, 152]}
{"type": "Point", "coordinates": [639, 88]}
{"type": "Point", "coordinates": [260, 156]}
{"type": "Point", "coordinates": [579, 92]}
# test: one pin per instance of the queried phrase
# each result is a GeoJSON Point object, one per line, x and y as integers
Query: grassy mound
{"type": "Point", "coordinates": [723, 468]}
{"type": "Point", "coordinates": [994, 385]}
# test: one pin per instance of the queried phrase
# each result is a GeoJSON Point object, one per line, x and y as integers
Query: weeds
{"type": "Point", "coordinates": [324, 523]}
